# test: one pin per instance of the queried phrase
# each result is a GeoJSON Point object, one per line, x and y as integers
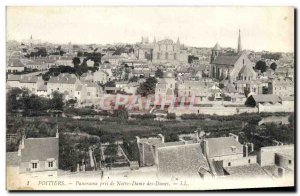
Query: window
{"type": "Point", "coordinates": [58, 89]}
{"type": "Point", "coordinates": [229, 164]}
{"type": "Point", "coordinates": [34, 165]}
{"type": "Point", "coordinates": [243, 61]}
{"type": "Point", "coordinates": [249, 161]}
{"type": "Point", "coordinates": [50, 164]}
{"type": "Point", "coordinates": [233, 149]}
{"type": "Point", "coordinates": [290, 161]}
{"type": "Point", "coordinates": [167, 55]}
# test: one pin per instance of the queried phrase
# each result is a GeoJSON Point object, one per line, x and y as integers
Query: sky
{"type": "Point", "coordinates": [262, 28]}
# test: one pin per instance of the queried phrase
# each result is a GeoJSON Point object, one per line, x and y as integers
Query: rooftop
{"type": "Point", "coordinates": [39, 149]}
{"type": "Point", "coordinates": [181, 160]}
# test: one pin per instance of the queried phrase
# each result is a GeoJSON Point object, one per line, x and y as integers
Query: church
{"type": "Point", "coordinates": [231, 66]}
{"type": "Point", "coordinates": [165, 51]}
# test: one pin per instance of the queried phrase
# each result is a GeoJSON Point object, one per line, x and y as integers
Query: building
{"type": "Point", "coordinates": [223, 148]}
{"type": "Point", "coordinates": [67, 84]}
{"type": "Point", "coordinates": [161, 52]}
{"type": "Point", "coordinates": [182, 161]}
{"type": "Point", "coordinates": [281, 87]}
{"type": "Point", "coordinates": [271, 103]}
{"type": "Point", "coordinates": [166, 51]}
{"type": "Point", "coordinates": [36, 157]}
{"type": "Point", "coordinates": [148, 148]}
{"type": "Point", "coordinates": [32, 83]}
{"type": "Point", "coordinates": [278, 161]}
{"type": "Point", "coordinates": [65, 61]}
{"type": "Point", "coordinates": [102, 76]}
{"type": "Point", "coordinates": [40, 64]}
{"type": "Point", "coordinates": [15, 66]}
{"type": "Point", "coordinates": [189, 88]}
{"type": "Point", "coordinates": [166, 86]}
{"type": "Point", "coordinates": [231, 66]}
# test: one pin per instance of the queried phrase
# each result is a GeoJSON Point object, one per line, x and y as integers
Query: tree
{"type": "Point", "coordinates": [159, 73]}
{"type": "Point", "coordinates": [121, 114]}
{"type": "Point", "coordinates": [12, 99]}
{"type": "Point", "coordinates": [56, 103]}
{"type": "Point", "coordinates": [249, 131]}
{"type": "Point", "coordinates": [133, 79]}
{"type": "Point", "coordinates": [110, 84]}
{"type": "Point", "coordinates": [261, 65]}
{"type": "Point", "coordinates": [273, 66]}
{"type": "Point", "coordinates": [291, 119]}
{"type": "Point", "coordinates": [148, 87]}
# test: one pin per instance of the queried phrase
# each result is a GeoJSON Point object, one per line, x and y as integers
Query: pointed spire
{"type": "Point", "coordinates": [178, 42]}
{"type": "Point", "coordinates": [239, 49]}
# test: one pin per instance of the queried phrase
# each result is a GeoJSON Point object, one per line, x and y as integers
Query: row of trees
{"type": "Point", "coordinates": [22, 99]}
{"type": "Point", "coordinates": [262, 66]}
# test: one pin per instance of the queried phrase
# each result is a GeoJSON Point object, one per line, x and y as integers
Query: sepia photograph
{"type": "Point", "coordinates": [150, 98]}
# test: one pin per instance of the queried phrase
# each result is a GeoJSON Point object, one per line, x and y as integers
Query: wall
{"type": "Point", "coordinates": [217, 110]}
{"type": "Point", "coordinates": [266, 155]}
{"type": "Point", "coordinates": [286, 106]}
{"type": "Point", "coordinates": [240, 161]}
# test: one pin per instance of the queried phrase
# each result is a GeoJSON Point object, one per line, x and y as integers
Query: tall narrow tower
{"type": "Point", "coordinates": [239, 49]}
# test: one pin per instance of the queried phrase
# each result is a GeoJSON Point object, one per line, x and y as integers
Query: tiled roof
{"type": "Point", "coordinates": [161, 86]}
{"type": "Point", "coordinates": [29, 79]}
{"type": "Point", "coordinates": [64, 78]}
{"type": "Point", "coordinates": [251, 170]}
{"type": "Point", "coordinates": [42, 87]}
{"type": "Point", "coordinates": [78, 88]}
{"type": "Point", "coordinates": [230, 88]}
{"type": "Point", "coordinates": [226, 59]}
{"type": "Point", "coordinates": [217, 47]}
{"type": "Point", "coordinates": [12, 159]}
{"type": "Point", "coordinates": [222, 146]}
{"type": "Point", "coordinates": [15, 63]}
{"type": "Point", "coordinates": [288, 98]}
{"type": "Point", "coordinates": [247, 70]}
{"type": "Point", "coordinates": [169, 144]}
{"type": "Point", "coordinates": [266, 98]}
{"type": "Point", "coordinates": [151, 140]}
{"type": "Point", "coordinates": [40, 149]}
{"type": "Point", "coordinates": [181, 160]}
{"type": "Point", "coordinates": [13, 77]}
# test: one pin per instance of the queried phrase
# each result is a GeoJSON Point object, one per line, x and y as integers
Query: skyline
{"type": "Point", "coordinates": [128, 24]}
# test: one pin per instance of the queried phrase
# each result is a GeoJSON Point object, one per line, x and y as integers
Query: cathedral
{"type": "Point", "coordinates": [231, 66]}
{"type": "Point", "coordinates": [161, 52]}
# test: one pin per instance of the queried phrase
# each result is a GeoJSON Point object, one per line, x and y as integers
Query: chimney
{"type": "Point", "coordinates": [234, 136]}
{"type": "Point", "coordinates": [57, 134]}
{"type": "Point", "coordinates": [197, 136]}
{"type": "Point", "coordinates": [162, 138]}
{"type": "Point", "coordinates": [22, 145]}
{"type": "Point", "coordinates": [205, 148]}
{"type": "Point", "coordinates": [245, 150]}
{"type": "Point", "coordinates": [137, 139]}
{"type": "Point", "coordinates": [252, 147]}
